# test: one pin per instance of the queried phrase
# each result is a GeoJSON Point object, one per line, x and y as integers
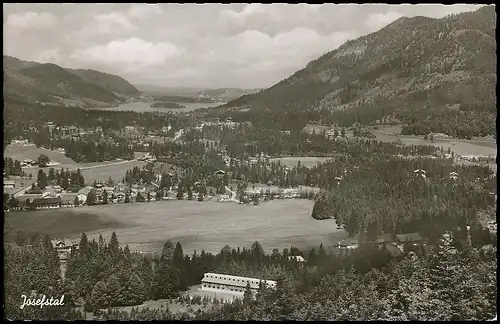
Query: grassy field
{"type": "Point", "coordinates": [19, 152]}
{"type": "Point", "coordinates": [197, 225]}
{"type": "Point", "coordinates": [58, 223]}
{"type": "Point", "coordinates": [483, 147]}
{"type": "Point", "coordinates": [98, 171]}
{"type": "Point", "coordinates": [115, 171]}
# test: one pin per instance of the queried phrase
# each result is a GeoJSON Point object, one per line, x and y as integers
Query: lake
{"type": "Point", "coordinates": [145, 107]}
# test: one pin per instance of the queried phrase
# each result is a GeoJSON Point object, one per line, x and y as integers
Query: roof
{"type": "Point", "coordinates": [297, 258]}
{"type": "Point", "coordinates": [409, 237]}
{"type": "Point", "coordinates": [84, 191]}
{"type": "Point", "coordinates": [9, 182]}
{"type": "Point", "coordinates": [66, 242]}
{"type": "Point", "coordinates": [235, 280]}
{"type": "Point", "coordinates": [46, 201]}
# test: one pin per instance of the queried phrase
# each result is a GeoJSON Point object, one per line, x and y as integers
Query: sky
{"type": "Point", "coordinates": [190, 45]}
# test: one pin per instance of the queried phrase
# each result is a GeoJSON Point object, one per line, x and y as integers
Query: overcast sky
{"type": "Point", "coordinates": [211, 46]}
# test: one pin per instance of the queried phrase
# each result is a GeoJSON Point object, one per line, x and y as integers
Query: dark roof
{"type": "Point", "coordinates": [46, 201]}
{"type": "Point", "coordinates": [409, 237]}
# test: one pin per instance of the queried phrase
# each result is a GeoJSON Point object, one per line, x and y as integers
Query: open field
{"type": "Point", "coordinates": [307, 161]}
{"type": "Point", "coordinates": [90, 171]}
{"type": "Point", "coordinates": [102, 172]}
{"type": "Point", "coordinates": [19, 152]}
{"type": "Point", "coordinates": [59, 223]}
{"type": "Point", "coordinates": [197, 225]}
{"type": "Point", "coordinates": [475, 146]}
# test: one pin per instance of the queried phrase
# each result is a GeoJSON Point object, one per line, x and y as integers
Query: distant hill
{"type": "Point", "coordinates": [50, 83]}
{"type": "Point", "coordinates": [215, 95]}
{"type": "Point", "coordinates": [435, 75]}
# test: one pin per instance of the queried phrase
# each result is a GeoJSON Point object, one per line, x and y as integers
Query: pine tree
{"type": "Point", "coordinates": [105, 197]}
{"type": "Point", "coordinates": [247, 295]}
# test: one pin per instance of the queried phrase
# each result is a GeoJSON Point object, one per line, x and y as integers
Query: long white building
{"type": "Point", "coordinates": [232, 284]}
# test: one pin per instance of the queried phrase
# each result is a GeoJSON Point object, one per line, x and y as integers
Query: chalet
{"type": "Point", "coordinates": [40, 203]}
{"type": "Point", "coordinates": [64, 247]}
{"type": "Point", "coordinates": [232, 284]}
{"type": "Point", "coordinates": [82, 194]}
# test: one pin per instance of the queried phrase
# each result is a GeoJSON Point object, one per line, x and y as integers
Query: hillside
{"type": "Point", "coordinates": [435, 75]}
{"type": "Point", "coordinates": [32, 81]}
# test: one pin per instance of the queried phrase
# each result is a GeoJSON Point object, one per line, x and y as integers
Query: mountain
{"type": "Point", "coordinates": [226, 94]}
{"type": "Point", "coordinates": [435, 75]}
{"type": "Point", "coordinates": [50, 83]}
{"type": "Point", "coordinates": [216, 95]}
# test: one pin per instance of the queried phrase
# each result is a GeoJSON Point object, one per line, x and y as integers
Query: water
{"type": "Point", "coordinates": [145, 107]}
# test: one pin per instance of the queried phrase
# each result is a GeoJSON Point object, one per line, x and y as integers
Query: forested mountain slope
{"type": "Point", "coordinates": [32, 81]}
{"type": "Point", "coordinates": [435, 75]}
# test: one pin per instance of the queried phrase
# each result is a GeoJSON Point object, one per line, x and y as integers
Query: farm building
{"type": "Point", "coordinates": [227, 283]}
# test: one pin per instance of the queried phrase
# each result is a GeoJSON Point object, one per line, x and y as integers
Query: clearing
{"type": "Point", "coordinates": [196, 225]}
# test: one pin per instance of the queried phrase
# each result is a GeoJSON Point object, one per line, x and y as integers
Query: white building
{"type": "Point", "coordinates": [232, 284]}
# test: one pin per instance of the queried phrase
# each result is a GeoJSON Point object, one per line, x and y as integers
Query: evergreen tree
{"type": "Point", "coordinates": [91, 197]}
{"type": "Point", "coordinates": [105, 197]}
{"type": "Point", "coordinates": [247, 295]}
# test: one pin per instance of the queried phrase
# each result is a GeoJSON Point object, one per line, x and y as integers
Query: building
{"type": "Point", "coordinates": [9, 184]}
{"type": "Point", "coordinates": [232, 284]}
{"type": "Point", "coordinates": [297, 258]}
{"type": "Point", "coordinates": [82, 194]}
{"type": "Point", "coordinates": [64, 247]}
{"type": "Point", "coordinates": [46, 203]}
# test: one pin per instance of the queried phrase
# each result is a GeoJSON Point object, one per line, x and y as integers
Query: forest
{"type": "Point", "coordinates": [453, 279]}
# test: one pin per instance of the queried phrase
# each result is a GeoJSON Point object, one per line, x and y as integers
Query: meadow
{"type": "Point", "coordinates": [98, 171]}
{"type": "Point", "coordinates": [196, 225]}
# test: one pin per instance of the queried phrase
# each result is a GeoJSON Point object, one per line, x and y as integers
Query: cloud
{"type": "Point", "coordinates": [49, 56]}
{"type": "Point", "coordinates": [107, 23]}
{"type": "Point", "coordinates": [143, 11]}
{"type": "Point", "coordinates": [132, 54]}
{"type": "Point", "coordinates": [237, 45]}
{"type": "Point", "coordinates": [32, 20]}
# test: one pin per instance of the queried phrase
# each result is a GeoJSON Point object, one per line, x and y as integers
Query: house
{"type": "Point", "coordinates": [232, 284]}
{"type": "Point", "coordinates": [82, 194]}
{"type": "Point", "coordinates": [297, 258]}
{"type": "Point", "coordinates": [42, 203]}
{"type": "Point", "coordinates": [64, 247]}
{"type": "Point", "coordinates": [9, 184]}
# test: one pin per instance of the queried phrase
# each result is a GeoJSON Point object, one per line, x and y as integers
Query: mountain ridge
{"type": "Point", "coordinates": [414, 69]}
{"type": "Point", "coordinates": [50, 83]}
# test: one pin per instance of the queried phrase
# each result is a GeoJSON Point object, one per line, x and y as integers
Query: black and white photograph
{"type": "Point", "coordinates": [249, 162]}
